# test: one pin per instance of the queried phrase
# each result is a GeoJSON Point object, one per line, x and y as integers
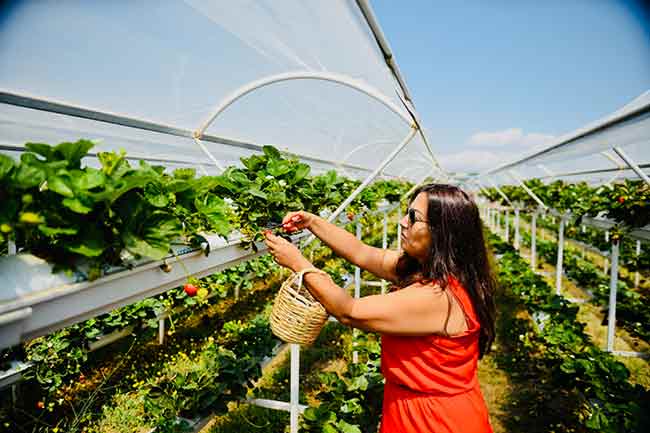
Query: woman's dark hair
{"type": "Point", "coordinates": [457, 250]}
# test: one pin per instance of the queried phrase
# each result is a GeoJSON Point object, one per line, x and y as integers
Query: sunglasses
{"type": "Point", "coordinates": [413, 218]}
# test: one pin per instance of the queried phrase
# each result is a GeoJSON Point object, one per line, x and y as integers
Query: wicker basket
{"type": "Point", "coordinates": [296, 316]}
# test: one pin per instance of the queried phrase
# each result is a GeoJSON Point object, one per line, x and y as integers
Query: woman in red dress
{"type": "Point", "coordinates": [436, 322]}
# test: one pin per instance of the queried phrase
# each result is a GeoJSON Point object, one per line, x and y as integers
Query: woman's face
{"type": "Point", "coordinates": [416, 239]}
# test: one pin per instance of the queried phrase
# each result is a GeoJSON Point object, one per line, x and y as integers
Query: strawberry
{"type": "Point", "coordinates": [351, 215]}
{"type": "Point", "coordinates": [621, 199]}
{"type": "Point", "coordinates": [40, 405]}
{"type": "Point", "coordinates": [190, 289]}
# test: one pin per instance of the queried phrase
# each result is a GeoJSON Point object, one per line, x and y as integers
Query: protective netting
{"type": "Point", "coordinates": [173, 63]}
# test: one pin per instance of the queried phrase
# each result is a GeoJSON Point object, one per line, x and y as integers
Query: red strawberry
{"type": "Point", "coordinates": [190, 289]}
{"type": "Point", "coordinates": [621, 200]}
{"type": "Point", "coordinates": [351, 216]}
{"type": "Point", "coordinates": [40, 405]}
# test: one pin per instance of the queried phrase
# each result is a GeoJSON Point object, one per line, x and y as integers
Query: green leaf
{"type": "Point", "coordinates": [153, 235]}
{"type": "Point", "coordinates": [88, 179]}
{"type": "Point", "coordinates": [59, 185]}
{"type": "Point", "coordinates": [278, 167]}
{"type": "Point", "coordinates": [28, 176]}
{"type": "Point", "coordinates": [345, 427]}
{"type": "Point", "coordinates": [271, 152]}
{"type": "Point", "coordinates": [6, 164]}
{"type": "Point", "coordinates": [184, 173]}
{"type": "Point", "coordinates": [155, 195]}
{"type": "Point", "coordinates": [253, 163]}
{"type": "Point", "coordinates": [90, 244]}
{"type": "Point", "coordinates": [113, 164]}
{"type": "Point", "coordinates": [257, 193]}
{"type": "Point", "coordinates": [42, 149]}
{"type": "Point", "coordinates": [77, 205]}
{"type": "Point", "coordinates": [31, 218]}
{"type": "Point", "coordinates": [302, 171]}
{"type": "Point", "coordinates": [73, 152]}
{"type": "Point", "coordinates": [53, 231]}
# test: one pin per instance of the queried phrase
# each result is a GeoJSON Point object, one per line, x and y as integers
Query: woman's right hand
{"type": "Point", "coordinates": [299, 220]}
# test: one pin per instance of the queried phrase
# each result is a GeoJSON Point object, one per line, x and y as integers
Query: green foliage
{"type": "Point", "coordinates": [350, 402]}
{"type": "Point", "coordinates": [599, 396]}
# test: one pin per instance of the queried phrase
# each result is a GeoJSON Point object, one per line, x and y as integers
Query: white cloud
{"type": "Point", "coordinates": [509, 137]}
{"type": "Point", "coordinates": [471, 160]}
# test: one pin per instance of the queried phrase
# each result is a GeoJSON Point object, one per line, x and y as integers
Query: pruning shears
{"type": "Point", "coordinates": [273, 226]}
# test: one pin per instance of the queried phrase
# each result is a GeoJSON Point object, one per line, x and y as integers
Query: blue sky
{"type": "Point", "coordinates": [492, 79]}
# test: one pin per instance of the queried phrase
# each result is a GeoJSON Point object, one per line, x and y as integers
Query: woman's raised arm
{"type": "Point", "coordinates": [377, 261]}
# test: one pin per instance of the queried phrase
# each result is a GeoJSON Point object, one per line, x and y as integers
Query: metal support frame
{"type": "Point", "coordinates": [533, 242]}
{"type": "Point", "coordinates": [613, 285]}
{"type": "Point", "coordinates": [501, 193]}
{"type": "Point", "coordinates": [560, 256]}
{"type": "Point", "coordinates": [637, 253]}
{"type": "Point", "coordinates": [357, 293]}
{"type": "Point", "coordinates": [51, 106]}
{"type": "Point", "coordinates": [631, 164]}
{"type": "Point", "coordinates": [517, 234]}
{"type": "Point", "coordinates": [344, 80]}
{"type": "Point", "coordinates": [367, 181]}
{"type": "Point", "coordinates": [518, 179]}
{"type": "Point", "coordinates": [507, 227]}
{"type": "Point", "coordinates": [294, 388]}
{"type": "Point", "coordinates": [384, 245]}
{"type": "Point", "coordinates": [497, 220]}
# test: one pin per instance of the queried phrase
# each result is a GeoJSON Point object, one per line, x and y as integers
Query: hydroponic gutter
{"type": "Point", "coordinates": [30, 313]}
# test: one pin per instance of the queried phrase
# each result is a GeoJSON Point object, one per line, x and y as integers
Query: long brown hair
{"type": "Point", "coordinates": [457, 250]}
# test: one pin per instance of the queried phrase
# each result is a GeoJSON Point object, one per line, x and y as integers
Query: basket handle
{"type": "Point", "coordinates": [306, 271]}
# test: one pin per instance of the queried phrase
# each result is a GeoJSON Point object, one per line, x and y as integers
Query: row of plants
{"type": "Point", "coordinates": [196, 384]}
{"type": "Point", "coordinates": [627, 203]}
{"type": "Point", "coordinates": [632, 310]}
{"type": "Point", "coordinates": [67, 366]}
{"type": "Point", "coordinates": [59, 356]}
{"type": "Point", "coordinates": [629, 262]}
{"type": "Point", "coordinates": [601, 241]}
{"type": "Point", "coordinates": [68, 214]}
{"type": "Point", "coordinates": [579, 387]}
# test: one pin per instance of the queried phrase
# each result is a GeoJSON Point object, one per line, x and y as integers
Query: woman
{"type": "Point", "coordinates": [435, 324]}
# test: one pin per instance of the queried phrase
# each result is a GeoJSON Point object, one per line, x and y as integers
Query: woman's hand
{"type": "Point", "coordinates": [285, 253]}
{"type": "Point", "coordinates": [299, 220]}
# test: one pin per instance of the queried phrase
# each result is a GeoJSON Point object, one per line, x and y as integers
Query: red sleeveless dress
{"type": "Point", "coordinates": [431, 381]}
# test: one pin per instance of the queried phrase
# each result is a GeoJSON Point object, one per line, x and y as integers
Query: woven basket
{"type": "Point", "coordinates": [296, 316]}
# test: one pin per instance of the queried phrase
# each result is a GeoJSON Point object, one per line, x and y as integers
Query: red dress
{"type": "Point", "coordinates": [431, 381]}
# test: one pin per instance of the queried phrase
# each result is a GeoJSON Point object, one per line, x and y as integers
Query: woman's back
{"type": "Point", "coordinates": [431, 381]}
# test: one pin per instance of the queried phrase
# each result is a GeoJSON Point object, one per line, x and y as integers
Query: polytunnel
{"type": "Point", "coordinates": [307, 95]}
{"type": "Point", "coordinates": [193, 84]}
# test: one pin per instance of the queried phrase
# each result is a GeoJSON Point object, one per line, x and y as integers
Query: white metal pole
{"type": "Point", "coordinates": [606, 235]}
{"type": "Point", "coordinates": [606, 265]}
{"type": "Point", "coordinates": [636, 273]}
{"type": "Point", "coordinates": [533, 242]}
{"type": "Point", "coordinates": [498, 221]}
{"type": "Point", "coordinates": [357, 294]}
{"type": "Point", "coordinates": [613, 285]}
{"type": "Point", "coordinates": [161, 331]}
{"type": "Point", "coordinates": [517, 238]}
{"type": "Point", "coordinates": [632, 164]}
{"type": "Point", "coordinates": [11, 248]}
{"type": "Point", "coordinates": [507, 233]}
{"type": "Point", "coordinates": [560, 257]}
{"type": "Point", "coordinates": [384, 245]}
{"type": "Point", "coordinates": [294, 388]}
{"type": "Point", "coordinates": [367, 181]}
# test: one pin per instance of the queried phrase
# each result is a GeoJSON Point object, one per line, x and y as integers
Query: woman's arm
{"type": "Point", "coordinates": [377, 261]}
{"type": "Point", "coordinates": [415, 310]}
